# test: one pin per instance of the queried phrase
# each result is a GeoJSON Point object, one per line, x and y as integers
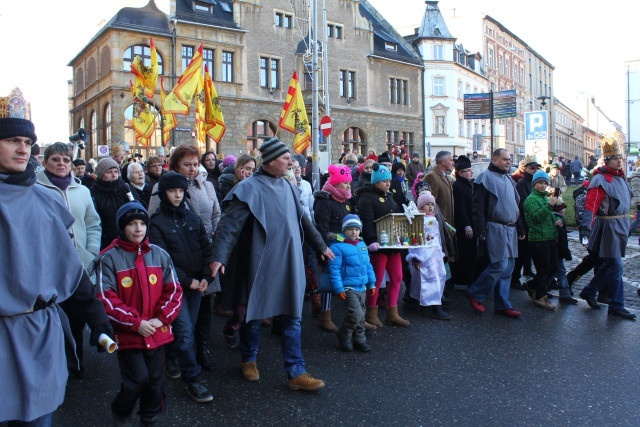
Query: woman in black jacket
{"type": "Point", "coordinates": [465, 271]}
{"type": "Point", "coordinates": [374, 202]}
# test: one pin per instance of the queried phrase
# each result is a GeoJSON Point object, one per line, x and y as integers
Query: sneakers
{"type": "Point", "coordinates": [622, 312]}
{"type": "Point", "coordinates": [197, 389]}
{"type": "Point", "coordinates": [172, 368]}
{"type": "Point", "coordinates": [544, 303]}
{"type": "Point", "coordinates": [590, 299]}
{"type": "Point", "coordinates": [205, 359]}
{"type": "Point", "coordinates": [476, 305]}
{"type": "Point", "coordinates": [508, 312]}
{"type": "Point", "coordinates": [250, 371]}
{"type": "Point", "coordinates": [305, 382]}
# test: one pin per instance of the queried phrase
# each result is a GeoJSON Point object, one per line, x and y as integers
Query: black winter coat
{"type": "Point", "coordinates": [399, 193]}
{"type": "Point", "coordinates": [523, 188]}
{"type": "Point", "coordinates": [226, 181]}
{"type": "Point", "coordinates": [181, 233]}
{"type": "Point", "coordinates": [107, 198]}
{"type": "Point", "coordinates": [143, 195]}
{"type": "Point", "coordinates": [462, 202]}
{"type": "Point", "coordinates": [328, 214]}
{"type": "Point", "coordinates": [373, 204]}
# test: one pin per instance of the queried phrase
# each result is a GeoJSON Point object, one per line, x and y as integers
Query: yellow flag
{"type": "Point", "coordinates": [168, 119]}
{"type": "Point", "coordinates": [179, 99]}
{"type": "Point", "coordinates": [142, 120]}
{"type": "Point", "coordinates": [148, 75]}
{"type": "Point", "coordinates": [294, 116]}
{"type": "Point", "coordinates": [200, 112]}
{"type": "Point", "coordinates": [214, 121]}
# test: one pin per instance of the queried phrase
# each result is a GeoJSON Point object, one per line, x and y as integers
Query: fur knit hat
{"type": "Point", "coordinates": [128, 212]}
{"type": "Point", "coordinates": [271, 149]}
{"type": "Point", "coordinates": [463, 163]}
{"type": "Point", "coordinates": [351, 221]}
{"type": "Point", "coordinates": [425, 198]}
{"type": "Point", "coordinates": [228, 160]}
{"type": "Point", "coordinates": [104, 165]}
{"type": "Point", "coordinates": [10, 127]}
{"type": "Point", "coordinates": [380, 173]}
{"type": "Point", "coordinates": [338, 174]}
{"type": "Point", "coordinates": [540, 176]}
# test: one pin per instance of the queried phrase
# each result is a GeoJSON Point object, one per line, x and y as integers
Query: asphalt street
{"type": "Point", "coordinates": [572, 366]}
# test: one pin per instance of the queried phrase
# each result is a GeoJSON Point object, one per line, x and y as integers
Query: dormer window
{"type": "Point", "coordinates": [202, 7]}
{"type": "Point", "coordinates": [391, 46]}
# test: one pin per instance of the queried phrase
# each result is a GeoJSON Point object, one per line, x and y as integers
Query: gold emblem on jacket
{"type": "Point", "coordinates": [126, 282]}
{"type": "Point", "coordinates": [153, 279]}
{"type": "Point", "coordinates": [381, 199]}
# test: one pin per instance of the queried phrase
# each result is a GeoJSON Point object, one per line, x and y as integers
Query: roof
{"type": "Point", "coordinates": [433, 24]}
{"type": "Point", "coordinates": [383, 32]}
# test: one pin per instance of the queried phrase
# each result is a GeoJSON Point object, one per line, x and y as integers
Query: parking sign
{"type": "Point", "coordinates": [536, 125]}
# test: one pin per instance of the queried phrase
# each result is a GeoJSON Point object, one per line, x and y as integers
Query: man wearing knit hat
{"type": "Point", "coordinates": [263, 219]}
{"type": "Point", "coordinates": [414, 168]}
{"type": "Point", "coordinates": [33, 362]}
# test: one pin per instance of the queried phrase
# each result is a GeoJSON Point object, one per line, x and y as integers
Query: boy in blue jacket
{"type": "Point", "coordinates": [351, 273]}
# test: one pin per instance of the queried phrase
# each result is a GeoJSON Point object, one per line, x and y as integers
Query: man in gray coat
{"type": "Point", "coordinates": [264, 221]}
{"type": "Point", "coordinates": [498, 226]}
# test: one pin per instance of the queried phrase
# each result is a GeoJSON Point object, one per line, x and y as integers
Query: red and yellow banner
{"type": "Point", "coordinates": [294, 116]}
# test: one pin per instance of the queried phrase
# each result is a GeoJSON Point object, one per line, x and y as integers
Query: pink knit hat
{"type": "Point", "coordinates": [338, 174]}
{"type": "Point", "coordinates": [228, 160]}
{"type": "Point", "coordinates": [425, 198]}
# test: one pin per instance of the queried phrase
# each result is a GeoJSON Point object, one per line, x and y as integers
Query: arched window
{"type": "Point", "coordinates": [91, 71]}
{"type": "Point", "coordinates": [105, 61]}
{"type": "Point", "coordinates": [355, 139]}
{"type": "Point", "coordinates": [79, 80]}
{"type": "Point", "coordinates": [144, 52]}
{"type": "Point", "coordinates": [94, 129]}
{"type": "Point", "coordinates": [107, 124]}
{"type": "Point", "coordinates": [129, 134]}
{"type": "Point", "coordinates": [260, 130]}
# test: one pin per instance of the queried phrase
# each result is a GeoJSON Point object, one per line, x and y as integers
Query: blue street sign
{"type": "Point", "coordinates": [535, 125]}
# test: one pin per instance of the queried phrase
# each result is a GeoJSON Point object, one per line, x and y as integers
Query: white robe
{"type": "Point", "coordinates": [427, 285]}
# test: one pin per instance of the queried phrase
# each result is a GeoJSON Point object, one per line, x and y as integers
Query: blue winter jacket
{"type": "Point", "coordinates": [351, 267]}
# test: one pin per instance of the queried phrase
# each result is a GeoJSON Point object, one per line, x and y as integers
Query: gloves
{"type": "Point", "coordinates": [96, 331]}
{"type": "Point", "coordinates": [342, 296]}
{"type": "Point", "coordinates": [371, 291]}
{"type": "Point", "coordinates": [374, 247]}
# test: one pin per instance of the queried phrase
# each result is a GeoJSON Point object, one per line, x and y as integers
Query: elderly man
{"type": "Point", "coordinates": [607, 219]}
{"type": "Point", "coordinates": [414, 168]}
{"type": "Point", "coordinates": [41, 270]}
{"type": "Point", "coordinates": [441, 185]}
{"type": "Point", "coordinates": [262, 215]}
{"type": "Point", "coordinates": [497, 224]}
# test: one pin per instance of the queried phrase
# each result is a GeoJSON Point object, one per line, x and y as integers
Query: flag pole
{"type": "Point", "coordinates": [314, 131]}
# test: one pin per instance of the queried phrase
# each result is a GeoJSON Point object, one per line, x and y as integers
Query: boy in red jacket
{"type": "Point", "coordinates": [141, 295]}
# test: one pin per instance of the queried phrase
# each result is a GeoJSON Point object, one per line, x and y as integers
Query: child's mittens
{"type": "Point", "coordinates": [374, 247]}
{"type": "Point", "coordinates": [342, 296]}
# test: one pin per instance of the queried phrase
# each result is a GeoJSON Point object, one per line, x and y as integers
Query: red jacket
{"type": "Point", "coordinates": [138, 283]}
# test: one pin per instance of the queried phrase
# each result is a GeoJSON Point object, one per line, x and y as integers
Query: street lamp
{"type": "Point", "coordinates": [543, 101]}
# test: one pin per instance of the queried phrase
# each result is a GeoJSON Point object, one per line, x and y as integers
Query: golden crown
{"type": "Point", "coordinates": [14, 106]}
{"type": "Point", "coordinates": [610, 149]}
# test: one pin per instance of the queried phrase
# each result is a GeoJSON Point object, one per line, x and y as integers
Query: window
{"type": "Point", "coordinates": [408, 139]}
{"type": "Point", "coordinates": [398, 93]}
{"type": "Point", "coordinates": [227, 66]}
{"type": "Point", "coordinates": [91, 71]}
{"type": "Point", "coordinates": [437, 52]}
{"type": "Point", "coordinates": [438, 86]}
{"type": "Point", "coordinates": [354, 138]}
{"type": "Point", "coordinates": [460, 93]}
{"type": "Point", "coordinates": [390, 46]}
{"type": "Point", "coordinates": [500, 65]}
{"type": "Point", "coordinates": [144, 52]}
{"type": "Point", "coordinates": [468, 129]}
{"type": "Point", "coordinates": [347, 83]}
{"type": "Point", "coordinates": [515, 73]}
{"type": "Point", "coordinates": [269, 73]}
{"type": "Point", "coordinates": [467, 88]}
{"type": "Point", "coordinates": [490, 60]}
{"type": "Point", "coordinates": [507, 67]}
{"type": "Point", "coordinates": [107, 125]}
{"type": "Point", "coordinates": [93, 120]}
{"type": "Point", "coordinates": [334, 31]}
{"type": "Point", "coordinates": [460, 127]}
{"type": "Point", "coordinates": [283, 20]}
{"type": "Point", "coordinates": [208, 61]}
{"type": "Point", "coordinates": [187, 55]}
{"type": "Point", "coordinates": [392, 138]}
{"type": "Point", "coordinates": [439, 125]}
{"type": "Point", "coordinates": [202, 7]}
{"type": "Point", "coordinates": [260, 130]}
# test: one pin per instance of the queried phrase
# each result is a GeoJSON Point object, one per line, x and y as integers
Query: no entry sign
{"type": "Point", "coordinates": [325, 125]}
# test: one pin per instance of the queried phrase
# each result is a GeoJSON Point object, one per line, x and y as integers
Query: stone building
{"type": "Point", "coordinates": [251, 48]}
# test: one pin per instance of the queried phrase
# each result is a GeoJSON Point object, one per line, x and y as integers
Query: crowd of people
{"type": "Point", "coordinates": [164, 245]}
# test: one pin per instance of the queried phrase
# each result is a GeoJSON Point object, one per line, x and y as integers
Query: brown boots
{"type": "Point", "coordinates": [393, 318]}
{"type": "Point", "coordinates": [371, 316]}
{"type": "Point", "coordinates": [326, 323]}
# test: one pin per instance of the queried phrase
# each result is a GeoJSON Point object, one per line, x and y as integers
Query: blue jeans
{"type": "Point", "coordinates": [498, 274]}
{"type": "Point", "coordinates": [561, 275]}
{"type": "Point", "coordinates": [291, 344]}
{"type": "Point", "coordinates": [43, 421]}
{"type": "Point", "coordinates": [609, 277]}
{"type": "Point", "coordinates": [183, 337]}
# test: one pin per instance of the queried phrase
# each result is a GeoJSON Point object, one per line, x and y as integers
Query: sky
{"type": "Point", "coordinates": [587, 42]}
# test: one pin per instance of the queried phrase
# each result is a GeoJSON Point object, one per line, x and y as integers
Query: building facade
{"type": "Point", "coordinates": [251, 49]}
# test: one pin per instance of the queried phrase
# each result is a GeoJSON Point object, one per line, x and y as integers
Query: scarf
{"type": "Point", "coordinates": [338, 194]}
{"type": "Point", "coordinates": [26, 178]}
{"type": "Point", "coordinates": [61, 183]}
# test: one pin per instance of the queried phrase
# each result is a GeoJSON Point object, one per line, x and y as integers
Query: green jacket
{"type": "Point", "coordinates": [539, 217]}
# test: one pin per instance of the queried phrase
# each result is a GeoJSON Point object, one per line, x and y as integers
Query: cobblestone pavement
{"type": "Point", "coordinates": [631, 272]}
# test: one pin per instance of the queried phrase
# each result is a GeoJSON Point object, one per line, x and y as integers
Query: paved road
{"type": "Point", "coordinates": [573, 366]}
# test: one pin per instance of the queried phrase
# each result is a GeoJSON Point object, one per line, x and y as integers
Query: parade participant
{"type": "Point", "coordinates": [498, 226]}
{"type": "Point", "coordinates": [141, 294]}
{"type": "Point", "coordinates": [374, 202]}
{"type": "Point", "coordinates": [468, 265]}
{"type": "Point", "coordinates": [85, 232]}
{"type": "Point", "coordinates": [441, 185]}
{"type": "Point", "coordinates": [607, 219]}
{"type": "Point", "coordinates": [33, 365]}
{"type": "Point", "coordinates": [428, 274]}
{"type": "Point", "coordinates": [180, 232]}
{"type": "Point", "coordinates": [351, 274]}
{"type": "Point", "coordinates": [263, 217]}
{"type": "Point", "coordinates": [80, 172]}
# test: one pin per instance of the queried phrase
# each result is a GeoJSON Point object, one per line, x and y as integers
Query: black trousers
{"type": "Point", "coordinates": [545, 258]}
{"type": "Point", "coordinates": [142, 375]}
{"type": "Point", "coordinates": [202, 330]}
{"type": "Point", "coordinates": [465, 269]}
{"type": "Point", "coordinates": [523, 260]}
{"type": "Point", "coordinates": [592, 260]}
